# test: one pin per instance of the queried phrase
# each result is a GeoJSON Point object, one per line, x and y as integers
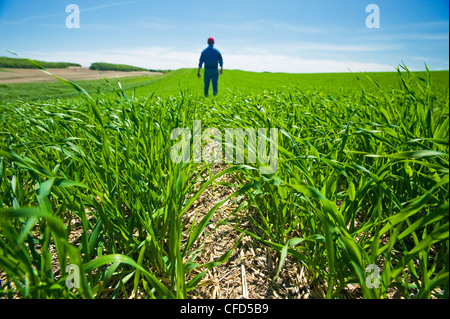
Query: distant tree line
{"type": "Point", "coordinates": [102, 66]}
{"type": "Point", "coordinates": [6, 62]}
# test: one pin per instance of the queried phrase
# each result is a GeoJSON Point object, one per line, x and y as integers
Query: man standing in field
{"type": "Point", "coordinates": [212, 58]}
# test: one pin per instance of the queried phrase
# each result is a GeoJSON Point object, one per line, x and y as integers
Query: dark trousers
{"type": "Point", "coordinates": [211, 75]}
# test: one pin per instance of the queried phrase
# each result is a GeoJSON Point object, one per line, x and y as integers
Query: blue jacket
{"type": "Point", "coordinates": [211, 57]}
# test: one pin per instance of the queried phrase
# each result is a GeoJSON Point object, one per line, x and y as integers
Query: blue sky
{"type": "Point", "coordinates": [264, 35]}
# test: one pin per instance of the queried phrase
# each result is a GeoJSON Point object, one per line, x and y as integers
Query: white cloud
{"type": "Point", "coordinates": [166, 58]}
{"type": "Point", "coordinates": [283, 63]}
{"type": "Point", "coordinates": [296, 48]}
{"type": "Point", "coordinates": [152, 57]}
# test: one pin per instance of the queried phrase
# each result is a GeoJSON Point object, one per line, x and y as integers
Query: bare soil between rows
{"type": "Point", "coordinates": [71, 73]}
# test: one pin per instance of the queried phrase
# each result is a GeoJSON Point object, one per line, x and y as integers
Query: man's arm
{"type": "Point", "coordinates": [221, 63]}
{"type": "Point", "coordinates": [200, 63]}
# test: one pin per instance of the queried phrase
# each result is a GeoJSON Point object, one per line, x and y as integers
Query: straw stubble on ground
{"type": "Point", "coordinates": [246, 273]}
{"type": "Point", "coordinates": [250, 271]}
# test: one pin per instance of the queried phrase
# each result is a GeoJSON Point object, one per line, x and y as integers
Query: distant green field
{"type": "Point", "coordinates": [231, 82]}
{"type": "Point", "coordinates": [242, 81]}
{"type": "Point", "coordinates": [52, 90]}
{"type": "Point", "coordinates": [89, 178]}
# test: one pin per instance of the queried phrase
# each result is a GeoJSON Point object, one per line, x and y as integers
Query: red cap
{"type": "Point", "coordinates": [211, 40]}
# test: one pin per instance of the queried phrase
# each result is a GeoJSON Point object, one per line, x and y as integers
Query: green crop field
{"type": "Point", "coordinates": [93, 206]}
{"type": "Point", "coordinates": [57, 90]}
